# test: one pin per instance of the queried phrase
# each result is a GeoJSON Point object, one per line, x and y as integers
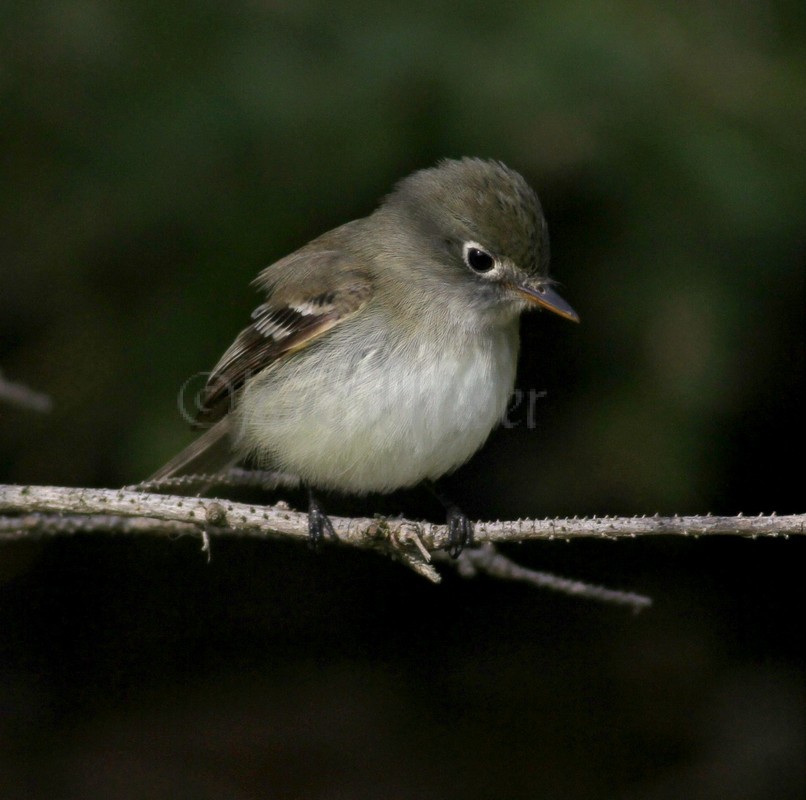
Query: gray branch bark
{"type": "Point", "coordinates": [43, 511]}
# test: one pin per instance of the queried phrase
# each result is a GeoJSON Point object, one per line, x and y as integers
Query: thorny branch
{"type": "Point", "coordinates": [43, 511]}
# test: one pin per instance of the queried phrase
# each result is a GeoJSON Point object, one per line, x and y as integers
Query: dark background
{"type": "Point", "coordinates": [155, 155]}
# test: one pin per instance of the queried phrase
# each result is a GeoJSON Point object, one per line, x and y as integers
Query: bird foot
{"type": "Point", "coordinates": [460, 531]}
{"type": "Point", "coordinates": [319, 524]}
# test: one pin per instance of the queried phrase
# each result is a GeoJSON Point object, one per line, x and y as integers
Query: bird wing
{"type": "Point", "coordinates": [308, 293]}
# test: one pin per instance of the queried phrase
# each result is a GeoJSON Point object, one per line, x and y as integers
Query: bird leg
{"type": "Point", "coordinates": [319, 525]}
{"type": "Point", "coordinates": [460, 528]}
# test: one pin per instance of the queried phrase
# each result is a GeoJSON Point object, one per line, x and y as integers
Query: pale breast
{"type": "Point", "coordinates": [378, 417]}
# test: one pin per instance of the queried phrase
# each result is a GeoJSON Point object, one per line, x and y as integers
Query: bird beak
{"type": "Point", "coordinates": [542, 295]}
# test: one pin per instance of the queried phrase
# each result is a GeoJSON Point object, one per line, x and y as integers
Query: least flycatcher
{"type": "Point", "coordinates": [385, 350]}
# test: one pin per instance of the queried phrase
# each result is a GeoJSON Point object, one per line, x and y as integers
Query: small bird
{"type": "Point", "coordinates": [385, 350]}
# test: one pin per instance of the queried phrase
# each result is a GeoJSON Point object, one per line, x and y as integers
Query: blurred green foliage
{"type": "Point", "coordinates": [156, 155]}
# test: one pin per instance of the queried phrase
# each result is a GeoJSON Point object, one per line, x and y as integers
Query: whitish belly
{"type": "Point", "coordinates": [380, 420]}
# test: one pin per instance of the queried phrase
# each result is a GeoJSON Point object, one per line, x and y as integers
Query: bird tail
{"type": "Point", "coordinates": [210, 453]}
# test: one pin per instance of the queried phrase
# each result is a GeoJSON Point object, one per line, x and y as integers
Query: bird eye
{"type": "Point", "coordinates": [477, 259]}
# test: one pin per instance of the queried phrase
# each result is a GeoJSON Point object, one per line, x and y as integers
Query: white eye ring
{"type": "Point", "coordinates": [478, 259]}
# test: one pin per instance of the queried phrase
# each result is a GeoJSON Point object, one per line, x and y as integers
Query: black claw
{"type": "Point", "coordinates": [460, 532]}
{"type": "Point", "coordinates": [319, 524]}
{"type": "Point", "coordinates": [460, 528]}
